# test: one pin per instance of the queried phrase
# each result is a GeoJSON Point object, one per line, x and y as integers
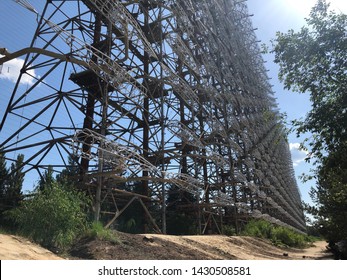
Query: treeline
{"type": "Point", "coordinates": [59, 209]}
{"type": "Point", "coordinates": [56, 214]}
{"type": "Point", "coordinates": [11, 183]}
{"type": "Point", "coordinates": [313, 61]}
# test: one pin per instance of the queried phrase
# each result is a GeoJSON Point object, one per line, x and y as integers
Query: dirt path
{"type": "Point", "coordinates": [243, 248]}
{"type": "Point", "coordinates": [316, 252]}
{"type": "Point", "coordinates": [137, 246]}
{"type": "Point", "coordinates": [18, 248]}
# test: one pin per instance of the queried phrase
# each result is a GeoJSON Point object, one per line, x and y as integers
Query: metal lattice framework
{"type": "Point", "coordinates": [155, 93]}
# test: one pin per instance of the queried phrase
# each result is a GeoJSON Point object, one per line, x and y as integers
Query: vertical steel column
{"type": "Point", "coordinates": [90, 106]}
{"type": "Point", "coordinates": [145, 113]}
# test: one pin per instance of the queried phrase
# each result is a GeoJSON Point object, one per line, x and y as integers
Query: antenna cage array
{"type": "Point", "coordinates": [150, 95]}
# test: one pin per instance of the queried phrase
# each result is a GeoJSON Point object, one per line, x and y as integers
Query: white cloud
{"type": "Point", "coordinates": [298, 155]}
{"type": "Point", "coordinates": [10, 70]}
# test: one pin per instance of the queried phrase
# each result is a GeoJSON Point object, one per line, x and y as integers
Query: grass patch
{"type": "Point", "coordinates": [3, 231]}
{"type": "Point", "coordinates": [98, 231]}
{"type": "Point", "coordinates": [228, 230]}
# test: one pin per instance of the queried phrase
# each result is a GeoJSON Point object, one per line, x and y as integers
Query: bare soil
{"type": "Point", "coordinates": [163, 247]}
{"type": "Point", "coordinates": [18, 248]}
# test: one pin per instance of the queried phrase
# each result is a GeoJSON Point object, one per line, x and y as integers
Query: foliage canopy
{"type": "Point", "coordinates": [314, 61]}
{"type": "Point", "coordinates": [11, 182]}
{"type": "Point", "coordinates": [53, 217]}
{"type": "Point", "coordinates": [281, 236]}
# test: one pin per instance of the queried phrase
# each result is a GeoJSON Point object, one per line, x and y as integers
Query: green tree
{"type": "Point", "coordinates": [313, 61]}
{"type": "Point", "coordinates": [10, 186]}
{"type": "Point", "coordinates": [53, 217]}
{"type": "Point", "coordinates": [3, 182]}
{"type": "Point", "coordinates": [330, 195]}
{"type": "Point", "coordinates": [180, 219]}
{"type": "Point", "coordinates": [69, 175]}
{"type": "Point", "coordinates": [15, 183]}
{"type": "Point", "coordinates": [47, 179]}
{"type": "Point", "coordinates": [133, 219]}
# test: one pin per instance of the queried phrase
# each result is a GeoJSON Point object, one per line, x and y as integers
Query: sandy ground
{"type": "Point", "coordinates": [244, 248]}
{"type": "Point", "coordinates": [164, 247]}
{"type": "Point", "coordinates": [18, 248]}
{"type": "Point", "coordinates": [318, 251]}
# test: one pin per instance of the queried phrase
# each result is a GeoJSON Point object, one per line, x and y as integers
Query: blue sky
{"type": "Point", "coordinates": [270, 16]}
{"type": "Point", "coordinates": [17, 26]}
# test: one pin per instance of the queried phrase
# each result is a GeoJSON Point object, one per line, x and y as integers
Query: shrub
{"type": "Point", "coordinates": [286, 236]}
{"type": "Point", "coordinates": [228, 230]}
{"type": "Point", "coordinates": [97, 230]}
{"type": "Point", "coordinates": [278, 235]}
{"type": "Point", "coordinates": [53, 217]}
{"type": "Point", "coordinates": [258, 228]}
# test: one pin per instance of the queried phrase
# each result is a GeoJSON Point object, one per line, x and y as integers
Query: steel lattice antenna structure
{"type": "Point", "coordinates": [150, 94]}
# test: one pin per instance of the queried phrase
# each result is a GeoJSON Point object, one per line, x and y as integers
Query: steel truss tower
{"type": "Point", "coordinates": [151, 96]}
